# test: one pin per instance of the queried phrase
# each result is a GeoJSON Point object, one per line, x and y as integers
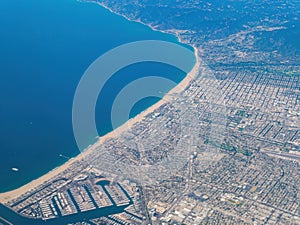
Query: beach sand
{"type": "Point", "coordinates": [7, 196]}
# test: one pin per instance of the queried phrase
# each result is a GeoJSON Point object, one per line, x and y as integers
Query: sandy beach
{"type": "Point", "coordinates": [7, 196]}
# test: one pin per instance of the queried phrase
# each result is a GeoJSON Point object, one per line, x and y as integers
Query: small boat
{"type": "Point", "coordinates": [15, 169]}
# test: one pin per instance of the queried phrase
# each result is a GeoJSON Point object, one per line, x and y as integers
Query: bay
{"type": "Point", "coordinates": [45, 47]}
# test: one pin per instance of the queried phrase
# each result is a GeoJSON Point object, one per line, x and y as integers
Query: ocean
{"type": "Point", "coordinates": [45, 47]}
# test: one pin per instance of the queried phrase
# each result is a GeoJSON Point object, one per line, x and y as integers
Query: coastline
{"type": "Point", "coordinates": [171, 32]}
{"type": "Point", "coordinates": [7, 196]}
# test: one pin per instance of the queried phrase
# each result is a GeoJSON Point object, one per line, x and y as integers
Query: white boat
{"type": "Point", "coordinates": [15, 169]}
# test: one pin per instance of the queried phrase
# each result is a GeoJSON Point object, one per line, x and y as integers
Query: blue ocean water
{"type": "Point", "coordinates": [45, 47]}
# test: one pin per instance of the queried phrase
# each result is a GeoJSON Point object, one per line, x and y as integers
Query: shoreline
{"type": "Point", "coordinates": [170, 32]}
{"type": "Point", "coordinates": [9, 195]}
